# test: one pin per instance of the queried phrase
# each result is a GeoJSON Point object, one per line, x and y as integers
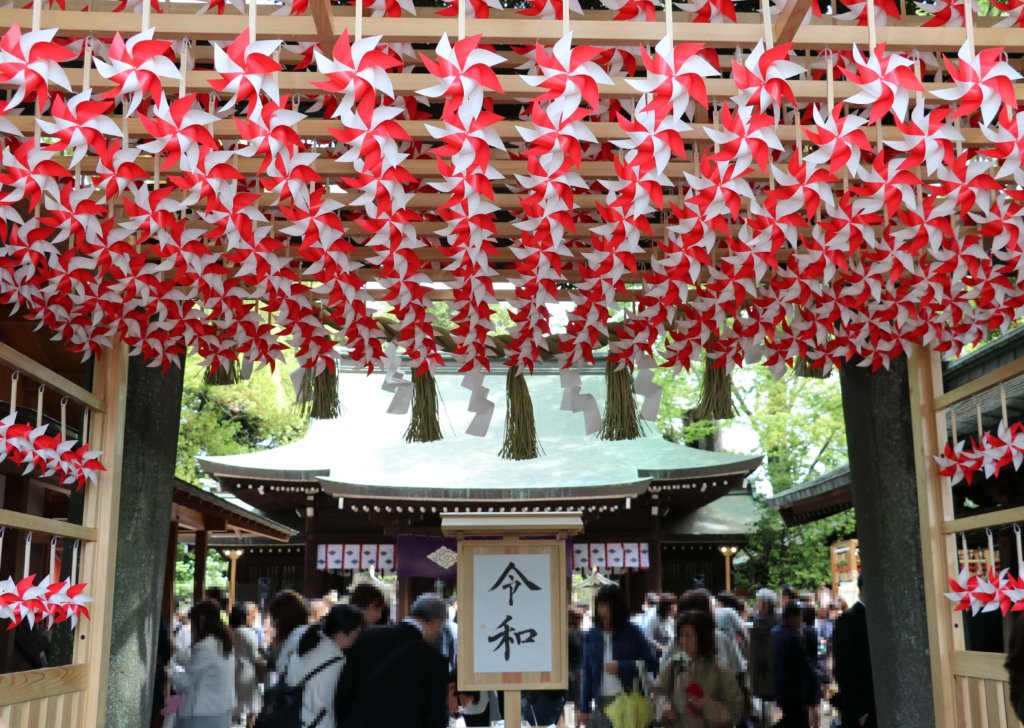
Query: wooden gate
{"type": "Point", "coordinates": [75, 695]}
{"type": "Point", "coordinates": [971, 688]}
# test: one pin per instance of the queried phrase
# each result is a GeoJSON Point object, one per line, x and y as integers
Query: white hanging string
{"type": "Point", "coordinates": [53, 559]}
{"type": "Point", "coordinates": [965, 554]}
{"type": "Point", "coordinates": [85, 426]}
{"type": "Point", "coordinates": [74, 563]}
{"type": "Point", "coordinates": [1002, 404]}
{"type": "Point", "coordinates": [28, 553]}
{"type": "Point", "coordinates": [63, 418]}
{"type": "Point", "coordinates": [991, 551]}
{"type": "Point", "coordinates": [39, 405]}
{"type": "Point", "coordinates": [981, 433]}
{"type": "Point", "coordinates": [14, 391]}
{"type": "Point", "coordinates": [1020, 551]}
{"type": "Point", "coordinates": [3, 530]}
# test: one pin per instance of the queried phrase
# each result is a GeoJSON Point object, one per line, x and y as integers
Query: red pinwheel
{"type": "Point", "coordinates": [747, 137]}
{"type": "Point", "coordinates": [710, 11]}
{"type": "Point", "coordinates": [946, 13]}
{"type": "Point", "coordinates": [464, 71]}
{"type": "Point", "coordinates": [1012, 12]}
{"type": "Point", "coordinates": [633, 9]}
{"type": "Point", "coordinates": [675, 78]}
{"type": "Point", "coordinates": [885, 82]}
{"type": "Point", "coordinates": [274, 131]}
{"type": "Point", "coordinates": [928, 139]}
{"type": "Point", "coordinates": [718, 190]}
{"type": "Point", "coordinates": [31, 62]}
{"type": "Point", "coordinates": [26, 172]}
{"type": "Point", "coordinates": [763, 78]}
{"type": "Point", "coordinates": [477, 8]}
{"type": "Point", "coordinates": [180, 132]}
{"type": "Point", "coordinates": [357, 71]}
{"type": "Point", "coordinates": [840, 141]}
{"type": "Point", "coordinates": [884, 9]}
{"type": "Point", "coordinates": [550, 9]}
{"type": "Point", "coordinates": [136, 67]}
{"type": "Point", "coordinates": [651, 145]}
{"type": "Point", "coordinates": [80, 124]}
{"type": "Point", "coordinates": [984, 83]}
{"type": "Point", "coordinates": [117, 171]}
{"type": "Point", "coordinates": [246, 72]}
{"type": "Point", "coordinates": [570, 77]}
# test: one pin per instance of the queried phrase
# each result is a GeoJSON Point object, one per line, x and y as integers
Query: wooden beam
{"type": "Point", "coordinates": [787, 24]}
{"type": "Point", "coordinates": [16, 360]}
{"type": "Point", "coordinates": [323, 20]}
{"type": "Point", "coordinates": [25, 522]}
{"type": "Point", "coordinates": [21, 687]}
{"type": "Point", "coordinates": [983, 520]}
{"type": "Point", "coordinates": [976, 386]}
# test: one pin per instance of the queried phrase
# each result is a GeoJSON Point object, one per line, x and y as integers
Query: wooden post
{"type": "Point", "coordinates": [234, 555]}
{"type": "Point", "coordinates": [199, 576]}
{"type": "Point", "coordinates": [727, 554]}
{"type": "Point", "coordinates": [101, 511]}
{"type": "Point", "coordinates": [169, 569]}
{"type": "Point", "coordinates": [938, 550]}
{"type": "Point", "coordinates": [513, 709]}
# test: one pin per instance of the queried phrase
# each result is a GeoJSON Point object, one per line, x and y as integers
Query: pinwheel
{"type": "Point", "coordinates": [747, 137]}
{"type": "Point", "coordinates": [67, 602]}
{"type": "Point", "coordinates": [135, 67]}
{"type": "Point", "coordinates": [958, 462]}
{"type": "Point", "coordinates": [247, 72]}
{"type": "Point", "coordinates": [964, 185]}
{"type": "Point", "coordinates": [718, 191]}
{"type": "Point", "coordinates": [476, 9]}
{"type": "Point", "coordinates": [357, 71]}
{"type": "Point", "coordinates": [117, 171]}
{"type": "Point", "coordinates": [984, 83]}
{"type": "Point", "coordinates": [762, 78]}
{"type": "Point", "coordinates": [271, 133]}
{"type": "Point", "coordinates": [219, 6]}
{"type": "Point", "coordinates": [180, 132]}
{"type": "Point", "coordinates": [886, 186]}
{"type": "Point", "coordinates": [885, 82]}
{"type": "Point", "coordinates": [570, 77]}
{"type": "Point", "coordinates": [1012, 12]}
{"type": "Point", "coordinates": [710, 11]}
{"type": "Point", "coordinates": [928, 139]}
{"type": "Point", "coordinates": [27, 172]}
{"type": "Point", "coordinates": [31, 62]}
{"type": "Point", "coordinates": [388, 8]}
{"type": "Point", "coordinates": [675, 78]}
{"type": "Point", "coordinates": [633, 9]}
{"type": "Point", "coordinates": [550, 9]}
{"type": "Point", "coordinates": [651, 144]}
{"type": "Point", "coordinates": [884, 10]}
{"type": "Point", "coordinates": [464, 71]}
{"type": "Point", "coordinates": [839, 139]}
{"type": "Point", "coordinates": [80, 124]}
{"type": "Point", "coordinates": [946, 13]}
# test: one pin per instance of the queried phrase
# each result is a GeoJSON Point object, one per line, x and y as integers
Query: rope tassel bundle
{"type": "Point", "coordinates": [715, 396]}
{"type": "Point", "coordinates": [521, 442]}
{"type": "Point", "coordinates": [225, 375]}
{"type": "Point", "coordinates": [621, 414]}
{"type": "Point", "coordinates": [318, 394]}
{"type": "Point", "coordinates": [424, 425]}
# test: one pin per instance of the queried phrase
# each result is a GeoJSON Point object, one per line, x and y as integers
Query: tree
{"type": "Point", "coordinates": [185, 569]}
{"type": "Point", "coordinates": [226, 420]}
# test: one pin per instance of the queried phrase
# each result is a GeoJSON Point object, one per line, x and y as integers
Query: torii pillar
{"type": "Point", "coordinates": [879, 439]}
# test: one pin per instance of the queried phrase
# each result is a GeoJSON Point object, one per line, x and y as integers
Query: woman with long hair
{"type": "Point", "coordinates": [207, 681]}
{"type": "Point", "coordinates": [611, 651]}
{"type": "Point", "coordinates": [289, 620]}
{"type": "Point", "coordinates": [701, 693]}
{"type": "Point", "coordinates": [318, 661]}
{"type": "Point", "coordinates": [249, 664]}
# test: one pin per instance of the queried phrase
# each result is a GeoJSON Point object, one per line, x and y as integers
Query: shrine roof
{"type": "Point", "coordinates": [363, 453]}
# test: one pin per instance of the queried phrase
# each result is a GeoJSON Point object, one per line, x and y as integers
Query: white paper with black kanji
{"type": "Point", "coordinates": [524, 626]}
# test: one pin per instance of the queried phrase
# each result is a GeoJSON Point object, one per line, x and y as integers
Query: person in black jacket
{"type": "Point", "coordinates": [853, 667]}
{"type": "Point", "coordinates": [394, 677]}
{"type": "Point", "coordinates": [796, 685]}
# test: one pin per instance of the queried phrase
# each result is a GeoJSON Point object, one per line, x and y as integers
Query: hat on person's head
{"type": "Point", "coordinates": [766, 595]}
{"type": "Point", "coordinates": [429, 607]}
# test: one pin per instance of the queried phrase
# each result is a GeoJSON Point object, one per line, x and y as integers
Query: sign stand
{"type": "Point", "coordinates": [513, 602]}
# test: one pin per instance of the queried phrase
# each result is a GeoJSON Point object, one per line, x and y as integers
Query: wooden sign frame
{"type": "Point", "coordinates": [558, 678]}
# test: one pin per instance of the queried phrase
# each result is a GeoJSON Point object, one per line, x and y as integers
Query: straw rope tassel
{"type": "Point", "coordinates": [424, 424]}
{"type": "Point", "coordinates": [715, 396]}
{"type": "Point", "coordinates": [521, 441]}
{"type": "Point", "coordinates": [621, 414]}
{"type": "Point", "coordinates": [319, 394]}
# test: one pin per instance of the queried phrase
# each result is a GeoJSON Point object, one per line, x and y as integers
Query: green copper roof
{"type": "Point", "coordinates": [363, 453]}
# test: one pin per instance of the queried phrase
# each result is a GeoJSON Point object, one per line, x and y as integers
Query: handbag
{"type": "Point", "coordinates": [283, 703]}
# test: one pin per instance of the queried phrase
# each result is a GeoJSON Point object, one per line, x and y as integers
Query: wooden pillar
{"type": "Point", "coordinates": [312, 584]}
{"type": "Point", "coordinates": [169, 569]}
{"type": "Point", "coordinates": [233, 555]}
{"type": "Point", "coordinates": [199, 583]}
{"type": "Point", "coordinates": [654, 553]}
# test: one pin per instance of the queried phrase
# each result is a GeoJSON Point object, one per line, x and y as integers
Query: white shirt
{"type": "Point", "coordinates": [610, 684]}
{"type": "Point", "coordinates": [291, 644]}
{"type": "Point", "coordinates": [206, 681]}
{"type": "Point", "coordinates": [318, 693]}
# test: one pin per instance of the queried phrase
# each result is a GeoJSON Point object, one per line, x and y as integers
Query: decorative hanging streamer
{"type": "Point", "coordinates": [39, 405]}
{"type": "Point", "coordinates": [574, 400]}
{"type": "Point", "coordinates": [15, 376]}
{"type": "Point", "coordinates": [424, 423]}
{"type": "Point", "coordinates": [715, 396]}
{"type": "Point", "coordinates": [479, 404]}
{"type": "Point", "coordinates": [521, 441]}
{"type": "Point", "coordinates": [621, 414]}
{"type": "Point", "coordinates": [28, 553]}
{"type": "Point", "coordinates": [63, 418]}
{"type": "Point", "coordinates": [646, 388]}
{"type": "Point", "coordinates": [52, 573]}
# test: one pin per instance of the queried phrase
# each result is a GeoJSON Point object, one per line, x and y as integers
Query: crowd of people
{"type": "Point", "coordinates": [705, 660]}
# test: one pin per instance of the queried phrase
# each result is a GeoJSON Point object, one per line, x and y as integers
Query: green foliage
{"type": "Point", "coordinates": [797, 556]}
{"type": "Point", "coordinates": [227, 420]}
{"type": "Point", "coordinates": [680, 393]}
{"type": "Point", "coordinates": [217, 568]}
{"type": "Point", "coordinates": [798, 421]}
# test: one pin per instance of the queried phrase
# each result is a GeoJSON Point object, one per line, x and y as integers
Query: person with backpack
{"type": "Point", "coordinates": [207, 680]}
{"type": "Point", "coordinates": [316, 666]}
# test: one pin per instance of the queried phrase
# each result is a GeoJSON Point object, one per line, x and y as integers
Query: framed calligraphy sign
{"type": "Point", "coordinates": [513, 625]}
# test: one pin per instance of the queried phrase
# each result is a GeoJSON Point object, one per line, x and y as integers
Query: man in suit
{"type": "Point", "coordinates": [796, 685]}
{"type": "Point", "coordinates": [394, 677]}
{"type": "Point", "coordinates": [853, 666]}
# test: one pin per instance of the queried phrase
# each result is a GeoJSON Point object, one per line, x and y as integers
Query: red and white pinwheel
{"type": "Point", "coordinates": [710, 11]}
{"type": "Point", "coordinates": [763, 78]}
{"type": "Point", "coordinates": [180, 132]}
{"type": "Point", "coordinates": [984, 83]}
{"type": "Point", "coordinates": [840, 140]}
{"type": "Point", "coordinates": [45, 603]}
{"type": "Point", "coordinates": [31, 62]}
{"type": "Point", "coordinates": [675, 78]}
{"type": "Point", "coordinates": [644, 10]}
{"type": "Point", "coordinates": [247, 72]}
{"type": "Point", "coordinates": [464, 71]}
{"type": "Point", "coordinates": [747, 137]}
{"type": "Point", "coordinates": [885, 82]}
{"type": "Point", "coordinates": [358, 71]}
{"type": "Point", "coordinates": [80, 124]}
{"type": "Point", "coordinates": [570, 77]}
{"type": "Point", "coordinates": [136, 67]}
